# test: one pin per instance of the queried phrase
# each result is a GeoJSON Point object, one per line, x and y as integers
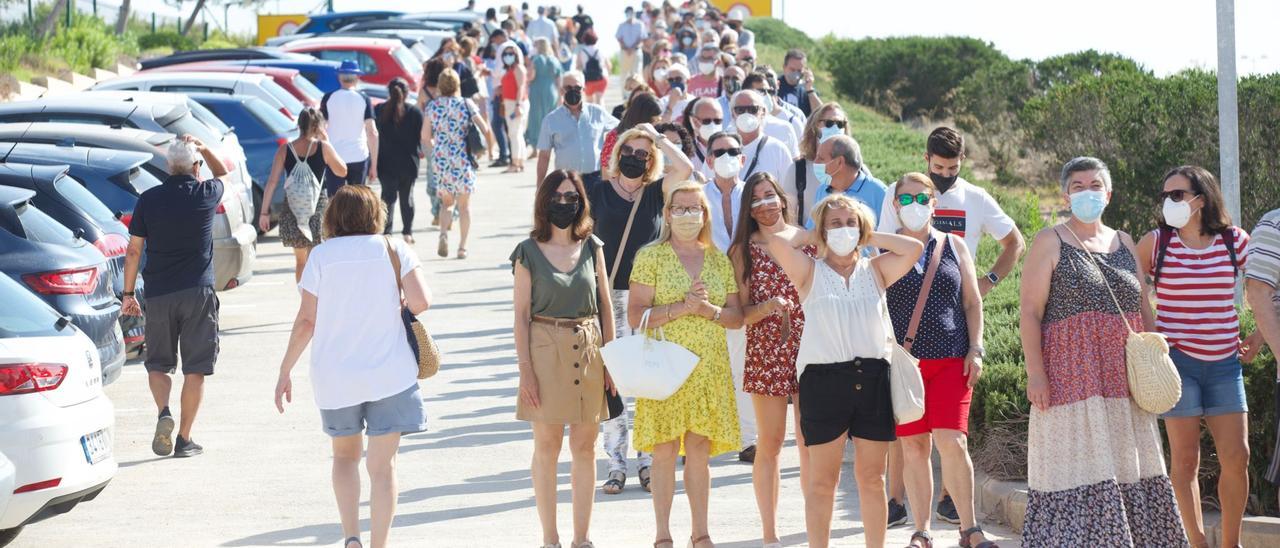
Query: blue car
{"type": "Point", "coordinates": [116, 177]}
{"type": "Point", "coordinates": [261, 129]}
{"type": "Point", "coordinates": [65, 271]}
{"type": "Point", "coordinates": [321, 23]}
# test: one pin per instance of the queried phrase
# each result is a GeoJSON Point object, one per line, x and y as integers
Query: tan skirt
{"type": "Point", "coordinates": [570, 372]}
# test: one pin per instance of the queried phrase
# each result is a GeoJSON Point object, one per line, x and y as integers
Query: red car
{"type": "Point", "coordinates": [289, 79]}
{"type": "Point", "coordinates": [382, 60]}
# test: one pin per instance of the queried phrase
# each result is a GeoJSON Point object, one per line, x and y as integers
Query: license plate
{"type": "Point", "coordinates": [97, 446]}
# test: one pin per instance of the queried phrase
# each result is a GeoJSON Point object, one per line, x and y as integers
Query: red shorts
{"type": "Point", "coordinates": [946, 398]}
{"type": "Point", "coordinates": [598, 86]}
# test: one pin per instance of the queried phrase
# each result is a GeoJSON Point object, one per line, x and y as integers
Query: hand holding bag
{"type": "Point", "coordinates": [905, 383]}
{"type": "Point", "coordinates": [645, 367]}
{"type": "Point", "coordinates": [420, 342]}
{"type": "Point", "coordinates": [1154, 383]}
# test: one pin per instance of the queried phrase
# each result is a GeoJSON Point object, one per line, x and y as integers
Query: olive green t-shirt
{"type": "Point", "coordinates": [557, 294]}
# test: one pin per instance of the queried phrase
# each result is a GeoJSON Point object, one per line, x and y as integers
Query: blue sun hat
{"type": "Point", "coordinates": [349, 67]}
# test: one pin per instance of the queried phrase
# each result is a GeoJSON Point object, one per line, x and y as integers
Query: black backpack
{"type": "Point", "coordinates": [593, 71]}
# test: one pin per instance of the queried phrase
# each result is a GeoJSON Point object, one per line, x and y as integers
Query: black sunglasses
{"type": "Point", "coordinates": [730, 151]}
{"type": "Point", "coordinates": [837, 123]}
{"type": "Point", "coordinates": [572, 88]}
{"type": "Point", "coordinates": [711, 121]}
{"type": "Point", "coordinates": [749, 109]}
{"type": "Point", "coordinates": [627, 150]}
{"type": "Point", "coordinates": [906, 199]}
{"type": "Point", "coordinates": [1179, 195]}
{"type": "Point", "coordinates": [570, 197]}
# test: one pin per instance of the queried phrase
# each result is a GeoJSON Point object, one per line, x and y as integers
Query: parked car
{"type": "Point", "coordinates": [324, 74]}
{"type": "Point", "coordinates": [382, 60]}
{"type": "Point", "coordinates": [400, 24]}
{"type": "Point", "coordinates": [66, 272]}
{"type": "Point", "coordinates": [225, 54]}
{"type": "Point", "coordinates": [422, 43]}
{"type": "Point", "coordinates": [59, 424]}
{"type": "Point", "coordinates": [455, 18]}
{"type": "Point", "coordinates": [262, 131]}
{"type": "Point", "coordinates": [116, 177]}
{"type": "Point", "coordinates": [7, 476]}
{"type": "Point", "coordinates": [329, 22]}
{"type": "Point", "coordinates": [261, 86]}
{"type": "Point", "coordinates": [290, 79]}
{"type": "Point", "coordinates": [234, 236]}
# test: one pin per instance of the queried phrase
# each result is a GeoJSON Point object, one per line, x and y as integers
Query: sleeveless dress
{"type": "Point", "coordinates": [771, 358]}
{"type": "Point", "coordinates": [449, 162]}
{"type": "Point", "coordinates": [1095, 465]}
{"type": "Point", "coordinates": [542, 93]}
{"type": "Point", "coordinates": [290, 236]}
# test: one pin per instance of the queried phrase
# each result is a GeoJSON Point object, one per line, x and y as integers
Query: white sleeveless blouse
{"type": "Point", "coordinates": [843, 322]}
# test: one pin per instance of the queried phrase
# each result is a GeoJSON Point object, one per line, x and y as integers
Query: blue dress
{"type": "Point", "coordinates": [542, 93]}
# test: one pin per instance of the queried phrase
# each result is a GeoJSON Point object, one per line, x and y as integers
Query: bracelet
{"type": "Point", "coordinates": [668, 313]}
{"type": "Point", "coordinates": [716, 316]}
{"type": "Point", "coordinates": [128, 294]}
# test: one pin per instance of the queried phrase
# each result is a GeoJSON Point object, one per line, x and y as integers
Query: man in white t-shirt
{"type": "Point", "coordinates": [351, 130]}
{"type": "Point", "coordinates": [760, 151]}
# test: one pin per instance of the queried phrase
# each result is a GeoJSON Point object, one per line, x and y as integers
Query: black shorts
{"type": "Point", "coordinates": [848, 396]}
{"type": "Point", "coordinates": [189, 318]}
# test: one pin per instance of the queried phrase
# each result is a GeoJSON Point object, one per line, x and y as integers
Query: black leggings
{"type": "Point", "coordinates": [402, 186]}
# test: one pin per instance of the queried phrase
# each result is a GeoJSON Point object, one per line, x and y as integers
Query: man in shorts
{"type": "Point", "coordinates": [174, 223]}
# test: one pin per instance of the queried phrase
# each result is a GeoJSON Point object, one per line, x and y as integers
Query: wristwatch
{"type": "Point", "coordinates": [716, 317]}
{"type": "Point", "coordinates": [979, 350]}
{"type": "Point", "coordinates": [993, 278]}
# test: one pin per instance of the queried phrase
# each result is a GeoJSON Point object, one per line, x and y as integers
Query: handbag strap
{"type": "Point", "coordinates": [622, 245]}
{"type": "Point", "coordinates": [1104, 276]}
{"type": "Point", "coordinates": [935, 259]}
{"type": "Point", "coordinates": [395, 266]}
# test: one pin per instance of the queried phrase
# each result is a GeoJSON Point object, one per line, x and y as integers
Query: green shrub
{"type": "Point", "coordinates": [166, 39]}
{"type": "Point", "coordinates": [1071, 67]}
{"type": "Point", "coordinates": [774, 32]}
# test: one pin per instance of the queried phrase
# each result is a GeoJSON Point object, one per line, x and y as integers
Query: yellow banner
{"type": "Point", "coordinates": [270, 26]}
{"type": "Point", "coordinates": [749, 8]}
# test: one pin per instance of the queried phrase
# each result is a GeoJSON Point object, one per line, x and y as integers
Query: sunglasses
{"type": "Point", "coordinates": [747, 60]}
{"type": "Point", "coordinates": [835, 123]}
{"type": "Point", "coordinates": [771, 200]}
{"type": "Point", "coordinates": [675, 80]}
{"type": "Point", "coordinates": [921, 198]}
{"type": "Point", "coordinates": [686, 211]}
{"type": "Point", "coordinates": [711, 121]}
{"type": "Point", "coordinates": [570, 197]}
{"type": "Point", "coordinates": [749, 109]}
{"type": "Point", "coordinates": [639, 153]}
{"type": "Point", "coordinates": [1178, 195]}
{"type": "Point", "coordinates": [730, 151]}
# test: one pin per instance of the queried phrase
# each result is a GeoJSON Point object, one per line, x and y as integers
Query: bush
{"type": "Point", "coordinates": [87, 44]}
{"type": "Point", "coordinates": [773, 31]}
{"type": "Point", "coordinates": [166, 39]}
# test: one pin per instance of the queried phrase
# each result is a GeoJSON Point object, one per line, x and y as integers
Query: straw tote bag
{"type": "Point", "coordinates": [645, 367]}
{"type": "Point", "coordinates": [1154, 383]}
{"type": "Point", "coordinates": [424, 348]}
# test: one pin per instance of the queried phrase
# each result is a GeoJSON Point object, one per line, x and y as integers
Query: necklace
{"type": "Point", "coordinates": [629, 195]}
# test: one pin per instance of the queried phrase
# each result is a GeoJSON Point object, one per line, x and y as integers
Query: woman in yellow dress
{"type": "Point", "coordinates": [690, 290]}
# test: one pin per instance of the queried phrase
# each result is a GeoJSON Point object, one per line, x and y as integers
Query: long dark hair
{"type": "Point", "coordinates": [747, 224]}
{"type": "Point", "coordinates": [393, 109]}
{"type": "Point", "coordinates": [642, 109]}
{"type": "Point", "coordinates": [581, 228]}
{"type": "Point", "coordinates": [1214, 218]}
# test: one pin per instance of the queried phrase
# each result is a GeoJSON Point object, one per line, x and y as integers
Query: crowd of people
{"type": "Point", "coordinates": [727, 204]}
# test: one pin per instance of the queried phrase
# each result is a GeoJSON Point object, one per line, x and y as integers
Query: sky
{"type": "Point", "coordinates": [1165, 36]}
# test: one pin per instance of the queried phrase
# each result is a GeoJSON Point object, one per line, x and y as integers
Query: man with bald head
{"type": "Point", "coordinates": [839, 170]}
{"type": "Point", "coordinates": [749, 112]}
{"type": "Point", "coordinates": [706, 119]}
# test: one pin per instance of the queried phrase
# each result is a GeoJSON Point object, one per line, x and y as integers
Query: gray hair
{"type": "Point", "coordinates": [844, 146]}
{"type": "Point", "coordinates": [182, 156]}
{"type": "Point", "coordinates": [348, 78]}
{"type": "Point", "coordinates": [582, 79]}
{"type": "Point", "coordinates": [756, 98]}
{"type": "Point", "coordinates": [1085, 163]}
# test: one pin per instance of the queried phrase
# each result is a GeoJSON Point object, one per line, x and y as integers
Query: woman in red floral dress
{"type": "Point", "coordinates": [774, 322]}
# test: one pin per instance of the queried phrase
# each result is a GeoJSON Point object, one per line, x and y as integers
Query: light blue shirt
{"type": "Point", "coordinates": [866, 189]}
{"type": "Point", "coordinates": [631, 33]}
{"type": "Point", "coordinates": [577, 142]}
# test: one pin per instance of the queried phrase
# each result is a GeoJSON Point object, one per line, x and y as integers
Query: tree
{"type": "Point", "coordinates": [191, 21]}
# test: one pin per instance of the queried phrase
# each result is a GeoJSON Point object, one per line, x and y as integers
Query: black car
{"type": "Point", "coordinates": [67, 201]}
{"type": "Point", "coordinates": [196, 56]}
{"type": "Point", "coordinates": [117, 177]}
{"type": "Point", "coordinates": [67, 272]}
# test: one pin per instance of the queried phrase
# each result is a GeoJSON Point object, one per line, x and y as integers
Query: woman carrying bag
{"type": "Point", "coordinates": [560, 289]}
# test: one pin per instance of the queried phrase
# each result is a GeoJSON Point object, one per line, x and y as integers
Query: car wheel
{"type": "Point", "coordinates": [7, 535]}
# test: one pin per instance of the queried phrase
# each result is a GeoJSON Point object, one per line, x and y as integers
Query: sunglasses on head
{"type": "Point", "coordinates": [771, 200]}
{"type": "Point", "coordinates": [836, 123]}
{"type": "Point", "coordinates": [1179, 195]}
{"type": "Point", "coordinates": [749, 109]}
{"type": "Point", "coordinates": [921, 198]}
{"type": "Point", "coordinates": [640, 153]}
{"type": "Point", "coordinates": [730, 151]}
{"type": "Point", "coordinates": [570, 197]}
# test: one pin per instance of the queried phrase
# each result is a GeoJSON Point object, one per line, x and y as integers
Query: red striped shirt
{"type": "Point", "coordinates": [1195, 298]}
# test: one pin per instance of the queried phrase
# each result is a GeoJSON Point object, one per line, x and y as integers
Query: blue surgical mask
{"type": "Point", "coordinates": [829, 132]}
{"type": "Point", "coordinates": [1087, 205]}
{"type": "Point", "coordinates": [820, 173]}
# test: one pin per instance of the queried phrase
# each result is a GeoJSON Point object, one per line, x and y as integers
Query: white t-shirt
{"type": "Point", "coordinates": [965, 210]}
{"type": "Point", "coordinates": [359, 352]}
{"type": "Point", "coordinates": [346, 110]}
{"type": "Point", "coordinates": [779, 129]}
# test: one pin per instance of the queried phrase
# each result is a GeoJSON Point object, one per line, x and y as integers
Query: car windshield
{"type": "Point", "coordinates": [407, 60]}
{"type": "Point", "coordinates": [269, 117]}
{"type": "Point", "coordinates": [307, 87]}
{"type": "Point", "coordinates": [207, 117]}
{"type": "Point", "coordinates": [77, 194]}
{"type": "Point", "coordinates": [137, 178]}
{"type": "Point", "coordinates": [189, 125]}
{"type": "Point", "coordinates": [24, 314]}
{"type": "Point", "coordinates": [291, 103]}
{"type": "Point", "coordinates": [42, 228]}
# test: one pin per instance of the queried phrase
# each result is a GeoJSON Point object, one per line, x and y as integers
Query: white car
{"type": "Point", "coordinates": [7, 477]}
{"type": "Point", "coordinates": [261, 86]}
{"type": "Point", "coordinates": [58, 423]}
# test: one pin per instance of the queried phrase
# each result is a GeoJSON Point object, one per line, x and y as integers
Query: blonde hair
{"type": "Point", "coordinates": [654, 171]}
{"type": "Point", "coordinates": [448, 84]}
{"type": "Point", "coordinates": [813, 129]}
{"type": "Point", "coordinates": [704, 236]}
{"type": "Point", "coordinates": [916, 177]}
{"type": "Point", "coordinates": [866, 219]}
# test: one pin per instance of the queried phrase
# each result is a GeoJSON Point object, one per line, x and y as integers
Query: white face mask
{"type": "Point", "coordinates": [843, 241]}
{"type": "Point", "coordinates": [707, 130]}
{"type": "Point", "coordinates": [747, 123]}
{"type": "Point", "coordinates": [706, 67]}
{"type": "Point", "coordinates": [727, 166]}
{"type": "Point", "coordinates": [915, 216]}
{"type": "Point", "coordinates": [1177, 214]}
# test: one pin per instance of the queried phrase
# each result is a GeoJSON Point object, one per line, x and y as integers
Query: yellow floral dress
{"type": "Point", "coordinates": [705, 404]}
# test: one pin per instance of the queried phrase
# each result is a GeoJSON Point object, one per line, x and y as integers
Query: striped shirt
{"type": "Point", "coordinates": [1264, 253]}
{"type": "Point", "coordinates": [1195, 297]}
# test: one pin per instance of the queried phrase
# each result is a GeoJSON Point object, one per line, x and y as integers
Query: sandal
{"type": "Point", "coordinates": [667, 541]}
{"type": "Point", "coordinates": [921, 539]}
{"type": "Point", "coordinates": [462, 252]}
{"type": "Point", "coordinates": [693, 542]}
{"type": "Point", "coordinates": [443, 248]}
{"type": "Point", "coordinates": [348, 542]}
{"type": "Point", "coordinates": [617, 480]}
{"type": "Point", "coordinates": [966, 533]}
{"type": "Point", "coordinates": [643, 474]}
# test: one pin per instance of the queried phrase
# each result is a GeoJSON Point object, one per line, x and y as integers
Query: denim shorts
{"type": "Point", "coordinates": [403, 413]}
{"type": "Point", "coordinates": [1208, 388]}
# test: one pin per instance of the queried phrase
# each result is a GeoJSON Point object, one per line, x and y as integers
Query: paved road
{"type": "Point", "coordinates": [264, 479]}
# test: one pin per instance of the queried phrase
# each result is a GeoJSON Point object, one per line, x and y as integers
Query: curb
{"type": "Point", "coordinates": [1005, 502]}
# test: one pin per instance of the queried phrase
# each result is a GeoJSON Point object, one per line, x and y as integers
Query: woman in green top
{"type": "Point", "coordinates": [560, 291]}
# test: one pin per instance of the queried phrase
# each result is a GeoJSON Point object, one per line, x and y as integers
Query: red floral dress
{"type": "Point", "coordinates": [771, 360]}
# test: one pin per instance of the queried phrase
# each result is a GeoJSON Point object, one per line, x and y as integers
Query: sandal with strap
{"type": "Point", "coordinates": [643, 474]}
{"type": "Point", "coordinates": [462, 252]}
{"type": "Point", "coordinates": [693, 542]}
{"type": "Point", "coordinates": [443, 248]}
{"type": "Point", "coordinates": [617, 480]}
{"type": "Point", "coordinates": [965, 534]}
{"type": "Point", "coordinates": [663, 541]}
{"type": "Point", "coordinates": [921, 539]}
{"type": "Point", "coordinates": [347, 543]}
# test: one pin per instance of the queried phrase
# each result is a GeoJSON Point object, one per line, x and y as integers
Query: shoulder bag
{"type": "Point", "coordinates": [905, 383]}
{"type": "Point", "coordinates": [424, 348]}
{"type": "Point", "coordinates": [475, 141]}
{"type": "Point", "coordinates": [645, 367]}
{"type": "Point", "coordinates": [1154, 383]}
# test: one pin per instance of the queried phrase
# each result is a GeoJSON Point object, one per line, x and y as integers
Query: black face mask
{"type": "Point", "coordinates": [943, 183]}
{"type": "Point", "coordinates": [562, 215]}
{"type": "Point", "coordinates": [632, 167]}
{"type": "Point", "coordinates": [573, 97]}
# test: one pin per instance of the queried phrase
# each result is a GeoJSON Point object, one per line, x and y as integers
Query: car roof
{"type": "Point", "coordinates": [12, 196]}
{"type": "Point", "coordinates": [133, 95]}
{"type": "Point", "coordinates": [354, 41]}
{"type": "Point", "coordinates": [25, 175]}
{"type": "Point", "coordinates": [191, 76]}
{"type": "Point", "coordinates": [446, 15]}
{"type": "Point", "coordinates": [219, 98]}
{"type": "Point", "coordinates": [46, 130]}
{"type": "Point", "coordinates": [309, 62]}
{"type": "Point", "coordinates": [223, 67]}
{"type": "Point", "coordinates": [162, 112]}
{"type": "Point", "coordinates": [97, 159]}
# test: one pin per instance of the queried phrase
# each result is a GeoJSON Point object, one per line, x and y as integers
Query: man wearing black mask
{"type": "Point", "coordinates": [575, 131]}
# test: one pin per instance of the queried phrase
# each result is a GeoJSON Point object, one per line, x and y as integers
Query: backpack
{"type": "Point", "coordinates": [802, 183]}
{"type": "Point", "coordinates": [302, 191]}
{"type": "Point", "coordinates": [593, 71]}
{"type": "Point", "coordinates": [1166, 236]}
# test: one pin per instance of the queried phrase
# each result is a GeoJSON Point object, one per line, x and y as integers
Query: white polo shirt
{"type": "Point", "coordinates": [965, 210]}
{"type": "Point", "coordinates": [720, 235]}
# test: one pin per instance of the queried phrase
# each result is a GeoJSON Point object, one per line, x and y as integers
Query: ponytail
{"type": "Point", "coordinates": [396, 92]}
{"type": "Point", "coordinates": [309, 120]}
